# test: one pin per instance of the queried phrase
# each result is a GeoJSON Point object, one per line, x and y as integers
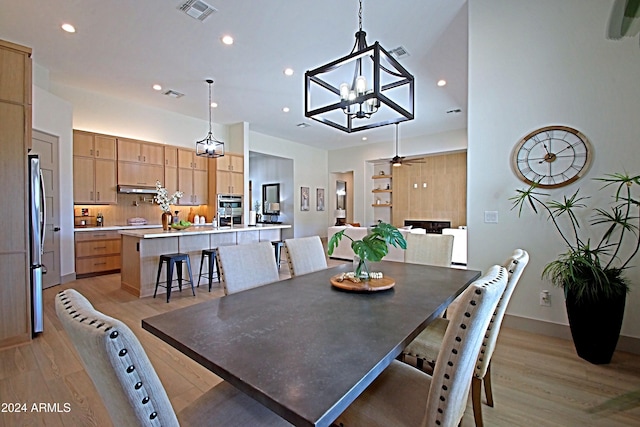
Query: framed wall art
{"type": "Point", "coordinates": [304, 198]}
{"type": "Point", "coordinates": [320, 199]}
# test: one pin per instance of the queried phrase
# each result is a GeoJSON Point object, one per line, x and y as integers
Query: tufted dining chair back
{"type": "Point", "coordinates": [305, 255]}
{"type": "Point", "coordinates": [247, 266]}
{"type": "Point", "coordinates": [460, 347]}
{"type": "Point", "coordinates": [116, 363]}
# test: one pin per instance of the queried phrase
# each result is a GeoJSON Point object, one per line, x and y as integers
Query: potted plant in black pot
{"type": "Point", "coordinates": [373, 247]}
{"type": "Point", "coordinates": [591, 271]}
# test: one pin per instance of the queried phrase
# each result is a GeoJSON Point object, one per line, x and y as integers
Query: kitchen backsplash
{"type": "Point", "coordinates": [132, 206]}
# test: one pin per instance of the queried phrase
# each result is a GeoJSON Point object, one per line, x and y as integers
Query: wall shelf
{"type": "Point", "coordinates": [381, 205]}
{"type": "Point", "coordinates": [381, 176]}
{"type": "Point", "coordinates": [382, 191]}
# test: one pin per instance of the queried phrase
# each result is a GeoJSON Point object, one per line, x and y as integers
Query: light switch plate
{"type": "Point", "coordinates": [491, 217]}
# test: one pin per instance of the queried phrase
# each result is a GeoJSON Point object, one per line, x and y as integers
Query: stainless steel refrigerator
{"type": "Point", "coordinates": [37, 217]}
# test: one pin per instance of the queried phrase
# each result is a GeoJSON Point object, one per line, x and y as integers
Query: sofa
{"type": "Point", "coordinates": [344, 251]}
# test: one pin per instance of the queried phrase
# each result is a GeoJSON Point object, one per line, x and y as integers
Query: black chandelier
{"type": "Point", "coordinates": [210, 146]}
{"type": "Point", "coordinates": [347, 92]}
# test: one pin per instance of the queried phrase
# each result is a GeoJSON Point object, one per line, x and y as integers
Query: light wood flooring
{"type": "Point", "coordinates": [537, 380]}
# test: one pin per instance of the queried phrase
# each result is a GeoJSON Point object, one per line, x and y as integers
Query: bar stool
{"type": "Point", "coordinates": [277, 247]}
{"type": "Point", "coordinates": [174, 259]}
{"type": "Point", "coordinates": [210, 254]}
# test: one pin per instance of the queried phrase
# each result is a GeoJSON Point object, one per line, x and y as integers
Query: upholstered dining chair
{"type": "Point", "coordinates": [305, 255]}
{"type": "Point", "coordinates": [129, 385]}
{"type": "Point", "coordinates": [430, 249]}
{"type": "Point", "coordinates": [247, 266]}
{"type": "Point", "coordinates": [405, 396]}
{"type": "Point", "coordinates": [426, 346]}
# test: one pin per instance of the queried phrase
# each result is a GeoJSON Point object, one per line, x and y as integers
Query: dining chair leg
{"type": "Point", "coordinates": [476, 398]}
{"type": "Point", "coordinates": [487, 386]}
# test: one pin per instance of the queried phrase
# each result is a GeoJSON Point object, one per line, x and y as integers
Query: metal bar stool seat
{"type": "Point", "coordinates": [174, 259]}
{"type": "Point", "coordinates": [210, 254]}
{"type": "Point", "coordinates": [277, 247]}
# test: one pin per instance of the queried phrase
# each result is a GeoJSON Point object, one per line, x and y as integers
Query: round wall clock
{"type": "Point", "coordinates": [552, 156]}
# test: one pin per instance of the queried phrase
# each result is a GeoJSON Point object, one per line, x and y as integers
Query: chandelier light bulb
{"type": "Point", "coordinates": [361, 85]}
{"type": "Point", "coordinates": [344, 91]}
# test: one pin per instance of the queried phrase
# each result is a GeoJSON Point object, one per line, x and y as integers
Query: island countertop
{"type": "Point", "coordinates": [152, 233]}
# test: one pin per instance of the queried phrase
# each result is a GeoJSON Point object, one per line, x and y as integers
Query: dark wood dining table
{"type": "Point", "coordinates": [304, 348]}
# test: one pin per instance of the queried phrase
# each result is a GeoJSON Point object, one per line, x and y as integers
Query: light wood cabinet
{"type": "Point", "coordinates": [15, 140]}
{"type": "Point", "coordinates": [97, 252]}
{"type": "Point", "coordinates": [139, 174]}
{"type": "Point", "coordinates": [192, 181]}
{"type": "Point", "coordinates": [229, 174]}
{"type": "Point", "coordinates": [94, 169]}
{"type": "Point", "coordinates": [131, 150]}
{"type": "Point", "coordinates": [187, 159]}
{"type": "Point", "coordinates": [87, 144]}
{"type": "Point", "coordinates": [230, 162]}
{"type": "Point", "coordinates": [171, 169]}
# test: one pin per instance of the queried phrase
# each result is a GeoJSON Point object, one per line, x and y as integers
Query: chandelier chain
{"type": "Point", "coordinates": [210, 106]}
{"type": "Point", "coordinates": [360, 16]}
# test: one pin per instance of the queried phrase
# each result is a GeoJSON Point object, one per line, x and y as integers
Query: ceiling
{"type": "Point", "coordinates": [122, 47]}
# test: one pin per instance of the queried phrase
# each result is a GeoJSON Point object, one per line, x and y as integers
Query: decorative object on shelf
{"type": "Point", "coordinates": [163, 199]}
{"type": "Point", "coordinates": [592, 276]}
{"type": "Point", "coordinates": [372, 248]}
{"type": "Point", "coordinates": [304, 198]}
{"type": "Point", "coordinates": [552, 156]}
{"type": "Point", "coordinates": [320, 199]}
{"type": "Point", "coordinates": [367, 81]}
{"type": "Point", "coordinates": [209, 146]}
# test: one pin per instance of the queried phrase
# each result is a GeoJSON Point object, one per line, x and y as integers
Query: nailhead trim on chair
{"type": "Point", "coordinates": [458, 339]}
{"type": "Point", "coordinates": [123, 353]}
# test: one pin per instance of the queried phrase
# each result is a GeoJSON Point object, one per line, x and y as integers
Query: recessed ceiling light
{"type": "Point", "coordinates": [285, 109]}
{"type": "Point", "coordinates": [288, 71]}
{"type": "Point", "coordinates": [228, 40]}
{"type": "Point", "coordinates": [364, 138]}
{"type": "Point", "coordinates": [214, 105]}
{"type": "Point", "coordinates": [157, 87]}
{"type": "Point", "coordinates": [442, 83]}
{"type": "Point", "coordinates": [303, 125]}
{"type": "Point", "coordinates": [69, 28]}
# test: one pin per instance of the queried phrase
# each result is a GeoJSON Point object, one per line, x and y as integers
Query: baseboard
{"type": "Point", "coordinates": [68, 278]}
{"type": "Point", "coordinates": [557, 330]}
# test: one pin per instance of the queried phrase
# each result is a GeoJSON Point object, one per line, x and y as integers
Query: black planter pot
{"type": "Point", "coordinates": [595, 326]}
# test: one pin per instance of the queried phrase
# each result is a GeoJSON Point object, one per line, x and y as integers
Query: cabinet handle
{"type": "Point", "coordinates": [99, 263]}
{"type": "Point", "coordinates": [144, 159]}
{"type": "Point", "coordinates": [99, 235]}
{"type": "Point", "coordinates": [91, 151]}
{"type": "Point", "coordinates": [166, 162]}
{"type": "Point", "coordinates": [91, 195]}
{"type": "Point", "coordinates": [100, 247]}
{"type": "Point", "coordinates": [98, 194]}
{"type": "Point", "coordinates": [138, 158]}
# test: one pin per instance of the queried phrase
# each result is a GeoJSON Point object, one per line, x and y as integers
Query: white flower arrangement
{"type": "Point", "coordinates": [162, 197]}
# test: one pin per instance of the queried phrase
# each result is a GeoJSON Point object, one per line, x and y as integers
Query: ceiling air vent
{"type": "Point", "coordinates": [173, 94]}
{"type": "Point", "coordinates": [399, 52]}
{"type": "Point", "coordinates": [197, 9]}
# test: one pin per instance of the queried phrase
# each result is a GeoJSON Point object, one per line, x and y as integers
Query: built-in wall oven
{"type": "Point", "coordinates": [229, 209]}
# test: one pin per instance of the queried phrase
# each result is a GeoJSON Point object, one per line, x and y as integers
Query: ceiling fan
{"type": "Point", "coordinates": [398, 161]}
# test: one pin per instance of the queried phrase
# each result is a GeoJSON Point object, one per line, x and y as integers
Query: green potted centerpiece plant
{"type": "Point", "coordinates": [591, 271]}
{"type": "Point", "coordinates": [372, 248]}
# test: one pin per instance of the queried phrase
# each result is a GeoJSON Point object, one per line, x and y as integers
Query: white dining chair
{"type": "Point", "coordinates": [129, 385]}
{"type": "Point", "coordinates": [405, 396]}
{"type": "Point", "coordinates": [247, 266]}
{"type": "Point", "coordinates": [305, 255]}
{"type": "Point", "coordinates": [429, 249]}
{"type": "Point", "coordinates": [425, 348]}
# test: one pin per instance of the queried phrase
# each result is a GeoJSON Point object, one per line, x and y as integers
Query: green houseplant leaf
{"type": "Point", "coordinates": [590, 272]}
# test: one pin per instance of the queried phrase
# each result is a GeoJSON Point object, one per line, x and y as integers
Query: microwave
{"type": "Point", "coordinates": [229, 209]}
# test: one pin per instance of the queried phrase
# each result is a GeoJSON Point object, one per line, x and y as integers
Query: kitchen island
{"type": "Point", "coordinates": [142, 248]}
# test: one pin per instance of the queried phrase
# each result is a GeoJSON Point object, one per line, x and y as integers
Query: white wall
{"type": "Point", "coordinates": [357, 159]}
{"type": "Point", "coordinates": [533, 64]}
{"type": "Point", "coordinates": [103, 114]}
{"type": "Point", "coordinates": [309, 170]}
{"type": "Point", "coordinates": [54, 116]}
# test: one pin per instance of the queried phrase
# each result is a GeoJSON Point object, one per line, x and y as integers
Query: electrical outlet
{"type": "Point", "coordinates": [545, 299]}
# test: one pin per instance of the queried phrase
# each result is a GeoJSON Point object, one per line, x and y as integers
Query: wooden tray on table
{"type": "Point", "coordinates": [371, 285]}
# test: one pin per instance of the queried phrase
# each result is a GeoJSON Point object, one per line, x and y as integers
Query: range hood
{"type": "Point", "coordinates": [136, 189]}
